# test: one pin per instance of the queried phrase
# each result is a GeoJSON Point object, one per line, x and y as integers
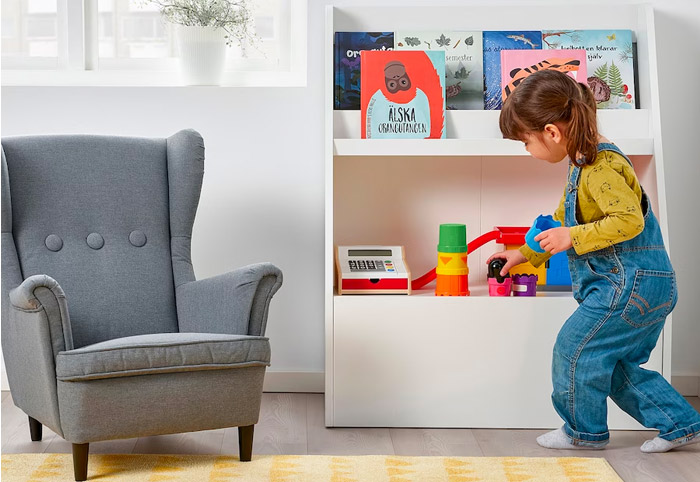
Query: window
{"type": "Point", "coordinates": [127, 42]}
{"type": "Point", "coordinates": [30, 34]}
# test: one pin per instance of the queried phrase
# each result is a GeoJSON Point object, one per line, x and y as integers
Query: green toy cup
{"type": "Point", "coordinates": [453, 238]}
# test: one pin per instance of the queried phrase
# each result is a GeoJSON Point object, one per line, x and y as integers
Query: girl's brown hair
{"type": "Point", "coordinates": [551, 97]}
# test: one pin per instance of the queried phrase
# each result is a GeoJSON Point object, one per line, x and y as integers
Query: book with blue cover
{"type": "Point", "coordinates": [464, 76]}
{"type": "Point", "coordinates": [346, 62]}
{"type": "Point", "coordinates": [403, 94]}
{"type": "Point", "coordinates": [610, 62]}
{"type": "Point", "coordinates": [494, 42]}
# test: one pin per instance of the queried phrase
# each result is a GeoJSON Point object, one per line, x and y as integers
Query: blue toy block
{"type": "Point", "coordinates": [558, 272]}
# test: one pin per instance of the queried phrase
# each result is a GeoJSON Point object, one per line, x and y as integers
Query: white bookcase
{"type": "Point", "coordinates": [427, 361]}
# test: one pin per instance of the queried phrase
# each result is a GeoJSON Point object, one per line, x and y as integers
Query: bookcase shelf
{"type": "Point", "coordinates": [459, 147]}
{"type": "Point", "coordinates": [427, 361]}
{"type": "Point", "coordinates": [476, 133]}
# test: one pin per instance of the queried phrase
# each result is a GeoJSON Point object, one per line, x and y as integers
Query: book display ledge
{"type": "Point", "coordinates": [478, 362]}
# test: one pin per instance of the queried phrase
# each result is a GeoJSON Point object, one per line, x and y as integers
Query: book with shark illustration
{"type": "Point", "coordinates": [610, 61]}
{"type": "Point", "coordinates": [516, 65]}
{"type": "Point", "coordinates": [403, 94]}
{"type": "Point", "coordinates": [494, 42]}
{"type": "Point", "coordinates": [464, 81]}
{"type": "Point", "coordinates": [346, 74]}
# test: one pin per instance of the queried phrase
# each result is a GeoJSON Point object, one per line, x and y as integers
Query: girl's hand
{"type": "Point", "coordinates": [513, 257]}
{"type": "Point", "coordinates": [555, 240]}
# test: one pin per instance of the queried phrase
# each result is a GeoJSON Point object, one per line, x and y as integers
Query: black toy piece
{"type": "Point", "coordinates": [495, 267]}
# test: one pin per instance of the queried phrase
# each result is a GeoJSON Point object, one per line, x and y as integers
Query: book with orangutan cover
{"type": "Point", "coordinates": [403, 94]}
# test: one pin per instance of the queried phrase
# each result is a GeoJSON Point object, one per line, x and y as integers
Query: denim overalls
{"type": "Point", "coordinates": [624, 291]}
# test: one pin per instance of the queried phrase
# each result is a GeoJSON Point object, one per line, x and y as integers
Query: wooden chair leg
{"type": "Point", "coordinates": [80, 461]}
{"type": "Point", "coordinates": [35, 429]}
{"type": "Point", "coordinates": [245, 442]}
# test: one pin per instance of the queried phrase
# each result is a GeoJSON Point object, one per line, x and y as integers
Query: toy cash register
{"type": "Point", "coordinates": [372, 270]}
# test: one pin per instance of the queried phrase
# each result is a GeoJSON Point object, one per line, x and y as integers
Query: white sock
{"type": "Point", "coordinates": [557, 439]}
{"type": "Point", "coordinates": [658, 444]}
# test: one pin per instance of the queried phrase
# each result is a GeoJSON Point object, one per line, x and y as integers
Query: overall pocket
{"type": "Point", "coordinates": [652, 298]}
{"type": "Point", "coordinates": [601, 282]}
{"type": "Point", "coordinates": [606, 267]}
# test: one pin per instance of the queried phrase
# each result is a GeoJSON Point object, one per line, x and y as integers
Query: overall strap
{"type": "Point", "coordinates": [571, 195]}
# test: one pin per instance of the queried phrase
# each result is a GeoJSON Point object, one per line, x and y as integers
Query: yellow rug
{"type": "Point", "coordinates": [307, 468]}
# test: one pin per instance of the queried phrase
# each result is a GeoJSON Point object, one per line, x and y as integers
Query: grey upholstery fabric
{"type": "Point", "coordinates": [127, 407]}
{"type": "Point", "coordinates": [33, 335]}
{"type": "Point", "coordinates": [11, 273]}
{"type": "Point", "coordinates": [162, 353]}
{"type": "Point", "coordinates": [72, 186]}
{"type": "Point", "coordinates": [229, 299]}
{"type": "Point", "coordinates": [102, 225]}
{"type": "Point", "coordinates": [185, 171]}
{"type": "Point", "coordinates": [41, 291]}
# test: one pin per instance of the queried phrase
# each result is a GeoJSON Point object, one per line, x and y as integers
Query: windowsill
{"type": "Point", "coordinates": [125, 78]}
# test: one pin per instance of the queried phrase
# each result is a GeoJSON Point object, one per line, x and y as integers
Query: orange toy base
{"type": "Point", "coordinates": [452, 285]}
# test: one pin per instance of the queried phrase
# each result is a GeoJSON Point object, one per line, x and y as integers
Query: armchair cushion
{"type": "Point", "coordinates": [161, 353]}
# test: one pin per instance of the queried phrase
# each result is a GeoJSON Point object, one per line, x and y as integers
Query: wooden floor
{"type": "Point", "coordinates": [293, 423]}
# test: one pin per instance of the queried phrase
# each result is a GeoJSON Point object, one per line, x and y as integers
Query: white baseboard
{"type": "Point", "coordinates": [688, 386]}
{"type": "Point", "coordinates": [306, 382]}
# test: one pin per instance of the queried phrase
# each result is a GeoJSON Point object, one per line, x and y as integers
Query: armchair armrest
{"type": "Point", "coordinates": [231, 303]}
{"type": "Point", "coordinates": [42, 292]}
{"type": "Point", "coordinates": [38, 328]}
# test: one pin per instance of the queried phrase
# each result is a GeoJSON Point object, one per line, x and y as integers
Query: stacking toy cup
{"type": "Point", "coordinates": [524, 284]}
{"type": "Point", "coordinates": [452, 271]}
{"type": "Point", "coordinates": [498, 285]}
{"type": "Point", "coordinates": [542, 223]}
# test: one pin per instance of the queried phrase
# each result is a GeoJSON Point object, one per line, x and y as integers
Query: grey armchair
{"type": "Point", "coordinates": [105, 332]}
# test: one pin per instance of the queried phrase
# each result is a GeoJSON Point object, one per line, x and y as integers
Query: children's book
{"type": "Point", "coordinates": [464, 81]}
{"type": "Point", "coordinates": [494, 42]}
{"type": "Point", "coordinates": [610, 61]}
{"type": "Point", "coordinates": [403, 94]}
{"type": "Point", "coordinates": [346, 61]}
{"type": "Point", "coordinates": [516, 65]}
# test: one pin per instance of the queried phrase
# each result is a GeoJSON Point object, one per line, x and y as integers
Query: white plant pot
{"type": "Point", "coordinates": [202, 54]}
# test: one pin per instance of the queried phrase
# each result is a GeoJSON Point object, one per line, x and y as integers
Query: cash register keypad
{"type": "Point", "coordinates": [366, 265]}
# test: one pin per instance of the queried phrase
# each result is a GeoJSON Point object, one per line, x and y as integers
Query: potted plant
{"type": "Point", "coordinates": [203, 30]}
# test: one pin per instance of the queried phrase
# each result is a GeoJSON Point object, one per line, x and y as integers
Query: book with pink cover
{"type": "Point", "coordinates": [516, 65]}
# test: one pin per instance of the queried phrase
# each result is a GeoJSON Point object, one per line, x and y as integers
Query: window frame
{"type": "Point", "coordinates": [78, 60]}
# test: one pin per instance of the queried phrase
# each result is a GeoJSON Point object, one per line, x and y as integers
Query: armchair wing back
{"type": "Point", "coordinates": [111, 219]}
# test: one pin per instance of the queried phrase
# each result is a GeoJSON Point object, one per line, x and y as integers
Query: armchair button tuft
{"type": "Point", "coordinates": [137, 238]}
{"type": "Point", "coordinates": [53, 242]}
{"type": "Point", "coordinates": [95, 241]}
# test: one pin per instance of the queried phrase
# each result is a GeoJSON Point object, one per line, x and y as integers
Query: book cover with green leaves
{"type": "Point", "coordinates": [610, 61]}
{"type": "Point", "coordinates": [464, 81]}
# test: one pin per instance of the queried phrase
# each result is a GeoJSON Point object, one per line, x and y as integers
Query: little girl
{"type": "Point", "coordinates": [621, 274]}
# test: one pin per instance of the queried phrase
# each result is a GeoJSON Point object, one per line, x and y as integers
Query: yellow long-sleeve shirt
{"type": "Point", "coordinates": [608, 207]}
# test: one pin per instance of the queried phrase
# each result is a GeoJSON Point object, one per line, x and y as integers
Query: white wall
{"type": "Point", "coordinates": [263, 193]}
{"type": "Point", "coordinates": [678, 28]}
